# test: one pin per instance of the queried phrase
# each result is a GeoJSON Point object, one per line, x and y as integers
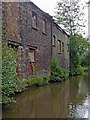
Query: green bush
{"type": "Point", "coordinates": [10, 81]}
{"type": "Point", "coordinates": [79, 69]}
{"type": "Point", "coordinates": [46, 79]}
{"type": "Point", "coordinates": [65, 73]}
{"type": "Point", "coordinates": [30, 81]}
{"type": "Point", "coordinates": [76, 70]}
{"type": "Point", "coordinates": [57, 73]}
{"type": "Point", "coordinates": [37, 80]}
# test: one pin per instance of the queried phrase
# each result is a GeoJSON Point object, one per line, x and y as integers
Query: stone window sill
{"type": "Point", "coordinates": [44, 33]}
{"type": "Point", "coordinates": [34, 28]}
{"type": "Point", "coordinates": [59, 53]}
{"type": "Point", "coordinates": [53, 46]}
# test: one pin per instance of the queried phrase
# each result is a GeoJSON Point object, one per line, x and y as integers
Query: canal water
{"type": "Point", "coordinates": [67, 99]}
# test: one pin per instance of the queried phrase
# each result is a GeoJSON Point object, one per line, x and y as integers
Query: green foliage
{"type": "Point", "coordinates": [10, 81]}
{"type": "Point", "coordinates": [57, 73]}
{"type": "Point", "coordinates": [78, 46]}
{"type": "Point", "coordinates": [46, 79]}
{"type": "Point", "coordinates": [69, 14]}
{"type": "Point", "coordinates": [32, 67]}
{"type": "Point", "coordinates": [85, 68]}
{"type": "Point", "coordinates": [65, 73]}
{"type": "Point", "coordinates": [81, 43]}
{"type": "Point", "coordinates": [37, 80]}
{"type": "Point", "coordinates": [85, 59]}
{"type": "Point", "coordinates": [76, 70]}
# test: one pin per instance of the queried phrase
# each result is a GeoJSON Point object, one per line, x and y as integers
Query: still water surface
{"type": "Point", "coordinates": [56, 100]}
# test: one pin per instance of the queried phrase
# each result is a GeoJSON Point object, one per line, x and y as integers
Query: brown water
{"type": "Point", "coordinates": [56, 100]}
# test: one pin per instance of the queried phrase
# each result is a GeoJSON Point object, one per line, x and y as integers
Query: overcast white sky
{"type": "Point", "coordinates": [49, 5]}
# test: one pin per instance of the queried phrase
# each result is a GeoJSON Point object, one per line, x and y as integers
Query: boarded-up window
{"type": "Point", "coordinates": [44, 26]}
{"type": "Point", "coordinates": [32, 69]}
{"type": "Point", "coordinates": [31, 55]}
{"type": "Point", "coordinates": [59, 46]}
{"type": "Point", "coordinates": [62, 46]}
{"type": "Point", "coordinates": [34, 20]}
{"type": "Point", "coordinates": [54, 40]}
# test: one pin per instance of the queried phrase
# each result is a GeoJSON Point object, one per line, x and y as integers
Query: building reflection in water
{"type": "Point", "coordinates": [57, 100]}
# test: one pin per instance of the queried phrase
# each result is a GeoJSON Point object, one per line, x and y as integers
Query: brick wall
{"type": "Point", "coordinates": [11, 19]}
{"type": "Point", "coordinates": [63, 56]}
{"type": "Point", "coordinates": [19, 21]}
{"type": "Point", "coordinates": [36, 37]}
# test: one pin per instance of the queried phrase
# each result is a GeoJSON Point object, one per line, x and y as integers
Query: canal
{"type": "Point", "coordinates": [67, 99]}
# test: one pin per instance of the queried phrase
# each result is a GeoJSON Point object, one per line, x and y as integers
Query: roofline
{"type": "Point", "coordinates": [46, 14]}
{"type": "Point", "coordinates": [61, 29]}
{"type": "Point", "coordinates": [50, 18]}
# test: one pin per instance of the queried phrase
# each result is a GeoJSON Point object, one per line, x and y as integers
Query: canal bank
{"type": "Point", "coordinates": [56, 100]}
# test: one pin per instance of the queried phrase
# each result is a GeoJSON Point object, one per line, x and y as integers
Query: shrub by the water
{"type": "Point", "coordinates": [37, 80]}
{"type": "Point", "coordinates": [58, 73]}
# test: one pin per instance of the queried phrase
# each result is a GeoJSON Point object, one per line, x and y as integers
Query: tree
{"type": "Point", "coordinates": [69, 14]}
{"type": "Point", "coordinates": [78, 46]}
{"type": "Point", "coordinates": [81, 44]}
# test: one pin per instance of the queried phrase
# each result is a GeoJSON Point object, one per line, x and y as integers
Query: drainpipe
{"type": "Point", "coordinates": [51, 38]}
{"type": "Point", "coordinates": [20, 31]}
{"type": "Point", "coordinates": [26, 38]}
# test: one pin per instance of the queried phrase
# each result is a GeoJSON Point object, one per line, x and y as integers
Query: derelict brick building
{"type": "Point", "coordinates": [37, 37]}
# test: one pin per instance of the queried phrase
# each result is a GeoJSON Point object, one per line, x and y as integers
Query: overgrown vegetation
{"type": "Point", "coordinates": [57, 73]}
{"type": "Point", "coordinates": [37, 80]}
{"type": "Point", "coordinates": [11, 83]}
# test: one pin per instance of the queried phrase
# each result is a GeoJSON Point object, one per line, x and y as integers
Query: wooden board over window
{"type": "Point", "coordinates": [54, 40]}
{"type": "Point", "coordinates": [34, 19]}
{"type": "Point", "coordinates": [31, 55]}
{"type": "Point", "coordinates": [44, 26]}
